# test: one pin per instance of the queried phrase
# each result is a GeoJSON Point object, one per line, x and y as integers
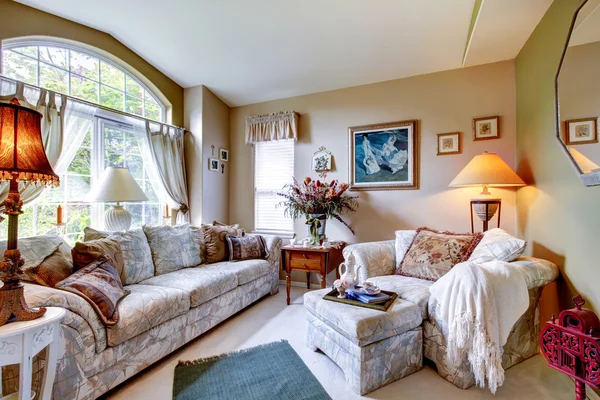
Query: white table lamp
{"type": "Point", "coordinates": [484, 170]}
{"type": "Point", "coordinates": [117, 185]}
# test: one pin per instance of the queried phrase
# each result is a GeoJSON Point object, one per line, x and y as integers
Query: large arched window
{"type": "Point", "coordinates": [83, 74]}
{"type": "Point", "coordinates": [79, 73]}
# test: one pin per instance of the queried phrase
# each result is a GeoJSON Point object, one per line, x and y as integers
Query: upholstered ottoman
{"type": "Point", "coordinates": [372, 347]}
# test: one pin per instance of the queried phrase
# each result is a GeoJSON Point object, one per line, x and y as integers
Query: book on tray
{"type": "Point", "coordinates": [355, 294]}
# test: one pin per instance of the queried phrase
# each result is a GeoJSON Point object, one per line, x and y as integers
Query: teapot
{"type": "Point", "coordinates": [349, 271]}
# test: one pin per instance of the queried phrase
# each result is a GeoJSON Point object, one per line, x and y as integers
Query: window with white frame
{"type": "Point", "coordinates": [111, 141]}
{"type": "Point", "coordinates": [273, 168]}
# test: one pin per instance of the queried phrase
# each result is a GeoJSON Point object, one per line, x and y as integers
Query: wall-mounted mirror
{"type": "Point", "coordinates": [578, 93]}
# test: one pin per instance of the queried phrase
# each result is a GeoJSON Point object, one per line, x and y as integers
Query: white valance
{"type": "Point", "coordinates": [276, 126]}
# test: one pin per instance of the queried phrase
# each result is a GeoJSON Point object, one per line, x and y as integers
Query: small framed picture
{"type": "Point", "coordinates": [213, 164]}
{"type": "Point", "coordinates": [448, 143]}
{"type": "Point", "coordinates": [321, 160]}
{"type": "Point", "coordinates": [486, 128]}
{"type": "Point", "coordinates": [223, 155]}
{"type": "Point", "coordinates": [581, 131]}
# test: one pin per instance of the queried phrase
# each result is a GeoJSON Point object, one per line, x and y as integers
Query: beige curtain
{"type": "Point", "coordinates": [276, 126]}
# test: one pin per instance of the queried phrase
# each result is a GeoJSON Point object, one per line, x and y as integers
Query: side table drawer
{"type": "Point", "coordinates": [305, 255]}
{"type": "Point", "coordinates": [305, 264]}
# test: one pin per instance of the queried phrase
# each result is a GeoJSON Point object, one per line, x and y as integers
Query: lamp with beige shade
{"type": "Point", "coordinates": [486, 170]}
{"type": "Point", "coordinates": [117, 185]}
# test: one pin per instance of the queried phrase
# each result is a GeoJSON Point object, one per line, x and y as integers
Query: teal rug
{"type": "Point", "coordinates": [269, 372]}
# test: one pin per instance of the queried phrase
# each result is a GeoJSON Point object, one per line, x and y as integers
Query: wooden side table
{"type": "Point", "coordinates": [319, 260]}
{"type": "Point", "coordinates": [21, 341]}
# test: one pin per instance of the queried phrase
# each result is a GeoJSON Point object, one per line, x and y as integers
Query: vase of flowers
{"type": "Point", "coordinates": [317, 201]}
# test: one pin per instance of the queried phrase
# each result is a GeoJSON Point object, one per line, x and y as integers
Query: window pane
{"type": "Point", "coordinates": [78, 188]}
{"type": "Point", "coordinates": [54, 78]}
{"type": "Point", "coordinates": [25, 222]}
{"type": "Point", "coordinates": [54, 55]}
{"type": "Point", "coordinates": [87, 141]}
{"type": "Point", "coordinates": [111, 98]}
{"type": "Point", "coordinates": [134, 106]}
{"type": "Point", "coordinates": [54, 195]}
{"type": "Point", "coordinates": [134, 88]}
{"type": "Point", "coordinates": [133, 147]}
{"type": "Point", "coordinates": [84, 89]}
{"type": "Point", "coordinates": [19, 67]}
{"type": "Point", "coordinates": [30, 51]}
{"type": "Point", "coordinates": [83, 64]}
{"type": "Point", "coordinates": [46, 218]}
{"type": "Point", "coordinates": [78, 216]}
{"type": "Point", "coordinates": [136, 214]}
{"type": "Point", "coordinates": [150, 193]}
{"type": "Point", "coordinates": [152, 111]}
{"type": "Point", "coordinates": [151, 214]}
{"type": "Point", "coordinates": [82, 163]}
{"type": "Point", "coordinates": [135, 166]}
{"type": "Point", "coordinates": [113, 140]}
{"type": "Point", "coordinates": [149, 98]}
{"type": "Point", "coordinates": [111, 76]}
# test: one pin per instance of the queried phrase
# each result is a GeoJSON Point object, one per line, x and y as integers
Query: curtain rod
{"type": "Point", "coordinates": [126, 114]}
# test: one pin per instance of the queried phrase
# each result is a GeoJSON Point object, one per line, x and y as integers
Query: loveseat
{"type": "Point", "coordinates": [159, 315]}
{"type": "Point", "coordinates": [379, 262]}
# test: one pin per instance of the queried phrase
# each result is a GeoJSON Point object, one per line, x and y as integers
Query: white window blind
{"type": "Point", "coordinates": [273, 168]}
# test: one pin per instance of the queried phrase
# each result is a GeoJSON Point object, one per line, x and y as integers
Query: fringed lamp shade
{"type": "Point", "coordinates": [22, 154]}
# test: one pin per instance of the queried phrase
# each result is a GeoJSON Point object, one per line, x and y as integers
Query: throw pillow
{"type": "Point", "coordinates": [53, 269]}
{"type": "Point", "coordinates": [84, 253]}
{"type": "Point", "coordinates": [214, 237]}
{"type": "Point", "coordinates": [137, 257]}
{"type": "Point", "coordinates": [497, 244]}
{"type": "Point", "coordinates": [240, 231]}
{"type": "Point", "coordinates": [249, 247]}
{"type": "Point", "coordinates": [432, 254]}
{"type": "Point", "coordinates": [35, 249]}
{"type": "Point", "coordinates": [172, 248]}
{"type": "Point", "coordinates": [198, 235]}
{"type": "Point", "coordinates": [403, 241]}
{"type": "Point", "coordinates": [99, 284]}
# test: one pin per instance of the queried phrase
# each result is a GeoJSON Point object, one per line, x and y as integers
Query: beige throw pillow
{"type": "Point", "coordinates": [172, 247]}
{"type": "Point", "coordinates": [214, 237]}
{"type": "Point", "coordinates": [497, 244]}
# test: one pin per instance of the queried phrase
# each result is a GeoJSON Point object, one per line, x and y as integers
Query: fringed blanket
{"type": "Point", "coordinates": [481, 303]}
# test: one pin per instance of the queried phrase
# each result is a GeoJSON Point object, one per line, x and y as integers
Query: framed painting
{"type": "Point", "coordinates": [213, 164]}
{"type": "Point", "coordinates": [384, 156]}
{"type": "Point", "coordinates": [448, 143]}
{"type": "Point", "coordinates": [486, 128]}
{"type": "Point", "coordinates": [223, 155]}
{"type": "Point", "coordinates": [581, 131]}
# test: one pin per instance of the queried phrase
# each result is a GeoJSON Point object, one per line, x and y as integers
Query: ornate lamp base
{"type": "Point", "coordinates": [117, 218]}
{"type": "Point", "coordinates": [485, 208]}
{"type": "Point", "coordinates": [12, 302]}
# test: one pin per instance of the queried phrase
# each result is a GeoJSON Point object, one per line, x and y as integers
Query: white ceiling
{"type": "Point", "coordinates": [253, 51]}
{"type": "Point", "coordinates": [587, 25]}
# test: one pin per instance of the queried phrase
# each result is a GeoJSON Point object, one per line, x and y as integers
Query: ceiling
{"type": "Point", "coordinates": [254, 51]}
{"type": "Point", "coordinates": [587, 25]}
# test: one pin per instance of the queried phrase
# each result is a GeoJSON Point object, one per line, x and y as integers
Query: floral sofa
{"type": "Point", "coordinates": [159, 315]}
{"type": "Point", "coordinates": [378, 261]}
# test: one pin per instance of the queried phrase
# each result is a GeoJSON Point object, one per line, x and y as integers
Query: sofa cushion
{"type": "Point", "coordinates": [56, 267]}
{"type": "Point", "coordinates": [198, 235]}
{"type": "Point", "coordinates": [172, 247]}
{"type": "Point", "coordinates": [214, 238]}
{"type": "Point", "coordinates": [201, 284]}
{"type": "Point", "coordinates": [249, 247]}
{"type": "Point", "coordinates": [137, 257]}
{"type": "Point", "coordinates": [35, 249]}
{"type": "Point", "coordinates": [84, 253]}
{"type": "Point", "coordinates": [246, 271]}
{"type": "Point", "coordinates": [403, 241]}
{"type": "Point", "coordinates": [144, 308]}
{"type": "Point", "coordinates": [412, 289]}
{"type": "Point", "coordinates": [497, 244]}
{"type": "Point", "coordinates": [360, 325]}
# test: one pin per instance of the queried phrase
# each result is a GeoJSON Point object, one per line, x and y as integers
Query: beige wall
{"type": "Point", "coordinates": [442, 102]}
{"type": "Point", "coordinates": [207, 119]}
{"type": "Point", "coordinates": [559, 217]}
{"type": "Point", "coordinates": [579, 90]}
{"type": "Point", "coordinates": [17, 20]}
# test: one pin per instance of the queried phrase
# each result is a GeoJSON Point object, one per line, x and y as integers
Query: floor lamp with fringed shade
{"type": "Point", "coordinates": [485, 170]}
{"type": "Point", "coordinates": [22, 159]}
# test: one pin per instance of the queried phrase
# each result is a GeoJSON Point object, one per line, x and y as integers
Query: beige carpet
{"type": "Point", "coordinates": [270, 320]}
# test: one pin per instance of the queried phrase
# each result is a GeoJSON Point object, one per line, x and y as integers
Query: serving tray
{"type": "Point", "coordinates": [332, 296]}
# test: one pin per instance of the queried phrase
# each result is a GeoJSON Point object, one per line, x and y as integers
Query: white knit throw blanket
{"type": "Point", "coordinates": [480, 303]}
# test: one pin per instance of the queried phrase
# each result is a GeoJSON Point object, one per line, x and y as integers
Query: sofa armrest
{"type": "Point", "coordinates": [274, 244]}
{"type": "Point", "coordinates": [537, 272]}
{"type": "Point", "coordinates": [375, 258]}
{"type": "Point", "coordinates": [41, 296]}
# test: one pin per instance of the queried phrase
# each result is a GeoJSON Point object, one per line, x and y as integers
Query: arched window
{"type": "Point", "coordinates": [80, 73]}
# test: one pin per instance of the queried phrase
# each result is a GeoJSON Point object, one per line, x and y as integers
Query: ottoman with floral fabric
{"type": "Point", "coordinates": [373, 348]}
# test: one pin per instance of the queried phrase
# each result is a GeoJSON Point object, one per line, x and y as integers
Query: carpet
{"type": "Point", "coordinates": [271, 371]}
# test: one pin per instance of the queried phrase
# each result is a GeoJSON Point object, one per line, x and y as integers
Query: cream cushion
{"type": "Point", "coordinates": [172, 247]}
{"type": "Point", "coordinates": [403, 241]}
{"type": "Point", "coordinates": [497, 244]}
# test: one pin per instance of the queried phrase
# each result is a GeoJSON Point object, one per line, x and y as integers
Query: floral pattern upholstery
{"type": "Point", "coordinates": [375, 258]}
{"type": "Point", "coordinates": [246, 271]}
{"type": "Point", "coordinates": [403, 241]}
{"type": "Point", "coordinates": [35, 249]}
{"type": "Point", "coordinates": [172, 248]}
{"type": "Point", "coordinates": [412, 289]}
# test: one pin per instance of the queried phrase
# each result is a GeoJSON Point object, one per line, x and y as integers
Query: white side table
{"type": "Point", "coordinates": [21, 341]}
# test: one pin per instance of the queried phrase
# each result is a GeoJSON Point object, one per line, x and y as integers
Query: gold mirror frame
{"type": "Point", "coordinates": [591, 178]}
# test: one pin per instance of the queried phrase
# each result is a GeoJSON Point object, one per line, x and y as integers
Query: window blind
{"type": "Point", "coordinates": [273, 168]}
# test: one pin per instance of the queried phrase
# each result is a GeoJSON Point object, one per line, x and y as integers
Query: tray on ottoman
{"type": "Point", "coordinates": [332, 296]}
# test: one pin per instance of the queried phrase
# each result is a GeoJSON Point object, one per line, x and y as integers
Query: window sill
{"type": "Point", "coordinates": [283, 235]}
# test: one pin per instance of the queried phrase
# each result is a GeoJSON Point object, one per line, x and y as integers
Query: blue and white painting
{"type": "Point", "coordinates": [383, 158]}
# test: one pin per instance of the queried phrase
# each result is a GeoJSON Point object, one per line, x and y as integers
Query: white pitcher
{"type": "Point", "coordinates": [349, 271]}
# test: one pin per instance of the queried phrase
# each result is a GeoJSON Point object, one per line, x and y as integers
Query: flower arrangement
{"type": "Point", "coordinates": [316, 197]}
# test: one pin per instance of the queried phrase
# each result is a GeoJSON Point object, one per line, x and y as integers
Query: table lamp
{"type": "Point", "coordinates": [117, 185]}
{"type": "Point", "coordinates": [485, 170]}
{"type": "Point", "coordinates": [22, 159]}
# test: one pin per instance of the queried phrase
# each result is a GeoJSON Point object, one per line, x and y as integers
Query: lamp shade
{"type": "Point", "coordinates": [22, 154]}
{"type": "Point", "coordinates": [584, 163]}
{"type": "Point", "coordinates": [117, 185]}
{"type": "Point", "coordinates": [487, 169]}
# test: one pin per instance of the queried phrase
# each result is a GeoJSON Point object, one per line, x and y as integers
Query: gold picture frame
{"type": "Point", "coordinates": [581, 131]}
{"type": "Point", "coordinates": [486, 128]}
{"type": "Point", "coordinates": [384, 156]}
{"type": "Point", "coordinates": [449, 143]}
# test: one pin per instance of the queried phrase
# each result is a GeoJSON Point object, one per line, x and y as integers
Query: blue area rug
{"type": "Point", "coordinates": [271, 371]}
